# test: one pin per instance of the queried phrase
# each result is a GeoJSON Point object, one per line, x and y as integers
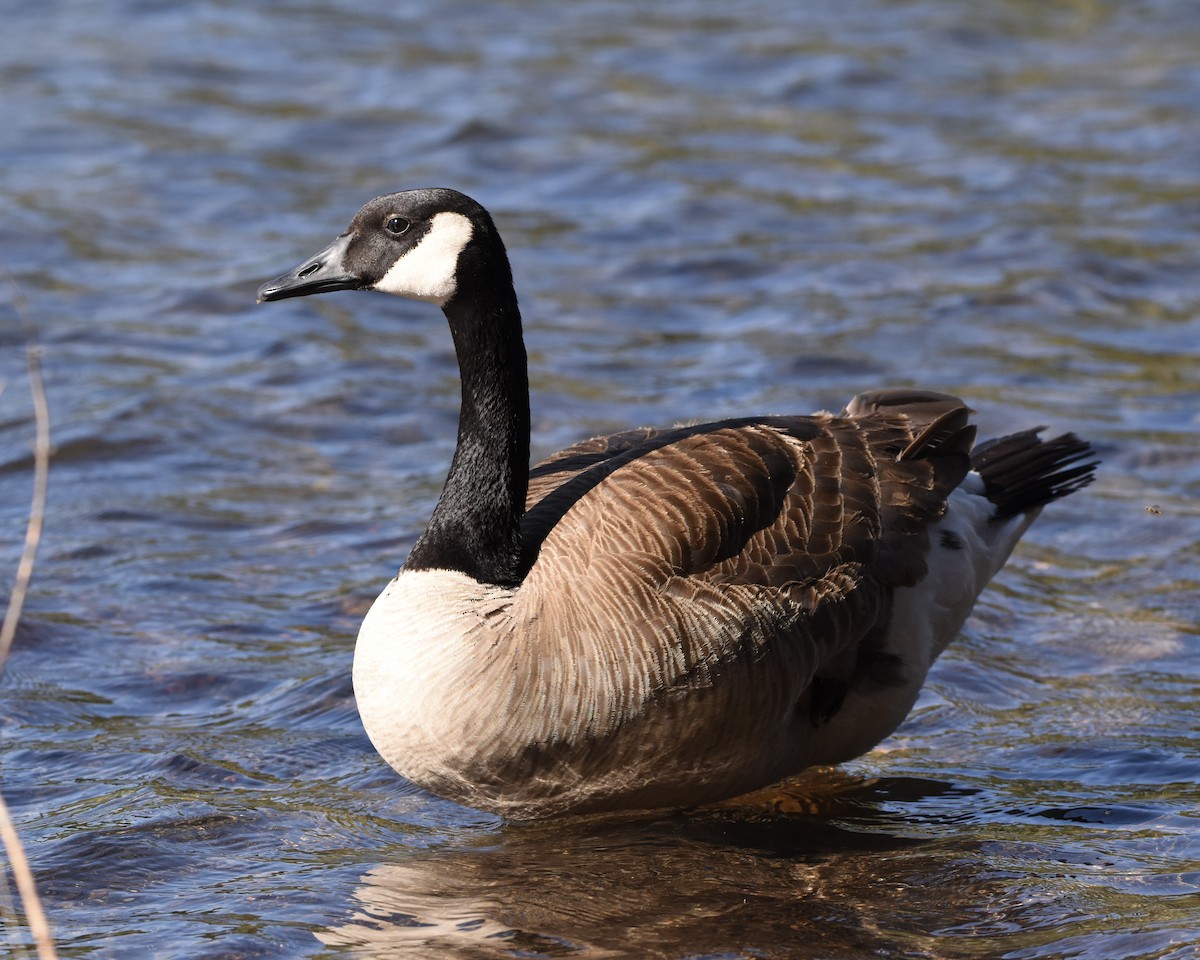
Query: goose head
{"type": "Point", "coordinates": [420, 244]}
{"type": "Point", "coordinates": [442, 247]}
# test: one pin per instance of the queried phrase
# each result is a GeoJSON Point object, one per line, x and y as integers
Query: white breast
{"type": "Point", "coordinates": [418, 672]}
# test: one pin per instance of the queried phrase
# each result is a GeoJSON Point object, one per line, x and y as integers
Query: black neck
{"type": "Point", "coordinates": [476, 526]}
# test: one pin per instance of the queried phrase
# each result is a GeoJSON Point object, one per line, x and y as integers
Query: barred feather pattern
{"type": "Point", "coordinates": [699, 604]}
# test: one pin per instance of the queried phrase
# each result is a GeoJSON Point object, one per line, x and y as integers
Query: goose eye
{"type": "Point", "coordinates": [396, 226]}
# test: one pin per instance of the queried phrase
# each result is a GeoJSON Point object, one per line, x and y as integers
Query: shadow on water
{"type": "Point", "coordinates": [831, 876]}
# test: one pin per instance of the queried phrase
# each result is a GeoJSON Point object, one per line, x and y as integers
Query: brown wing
{"type": "Point", "coordinates": [813, 521]}
{"type": "Point", "coordinates": [557, 469]}
{"type": "Point", "coordinates": [774, 499]}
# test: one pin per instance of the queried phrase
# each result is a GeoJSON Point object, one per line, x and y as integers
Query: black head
{"type": "Point", "coordinates": [409, 244]}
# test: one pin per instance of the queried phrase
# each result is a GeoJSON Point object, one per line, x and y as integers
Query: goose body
{"type": "Point", "coordinates": [661, 618]}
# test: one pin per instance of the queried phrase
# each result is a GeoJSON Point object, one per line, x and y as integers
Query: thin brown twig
{"type": "Point", "coordinates": [25, 884]}
{"type": "Point", "coordinates": [39, 928]}
{"type": "Point", "coordinates": [41, 472]}
{"type": "Point", "coordinates": [8, 908]}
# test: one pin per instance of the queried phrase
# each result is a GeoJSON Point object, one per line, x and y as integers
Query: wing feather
{"type": "Point", "coordinates": [718, 546]}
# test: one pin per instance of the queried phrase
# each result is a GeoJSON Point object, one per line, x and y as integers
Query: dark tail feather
{"type": "Point", "coordinates": [1021, 472]}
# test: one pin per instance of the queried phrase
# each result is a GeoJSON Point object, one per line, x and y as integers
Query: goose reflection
{"type": "Point", "coordinates": [799, 875]}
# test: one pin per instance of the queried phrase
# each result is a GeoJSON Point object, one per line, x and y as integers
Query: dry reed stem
{"type": "Point", "coordinates": [8, 912]}
{"type": "Point", "coordinates": [41, 474]}
{"type": "Point", "coordinates": [26, 886]}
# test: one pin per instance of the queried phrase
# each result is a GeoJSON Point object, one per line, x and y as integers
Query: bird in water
{"type": "Point", "coordinates": [661, 617]}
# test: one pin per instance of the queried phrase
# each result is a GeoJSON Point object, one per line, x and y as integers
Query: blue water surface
{"type": "Point", "coordinates": [712, 210]}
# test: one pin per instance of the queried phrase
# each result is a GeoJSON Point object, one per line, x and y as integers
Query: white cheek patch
{"type": "Point", "coordinates": [428, 271]}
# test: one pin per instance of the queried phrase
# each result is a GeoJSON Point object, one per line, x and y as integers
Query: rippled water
{"type": "Point", "coordinates": [712, 210]}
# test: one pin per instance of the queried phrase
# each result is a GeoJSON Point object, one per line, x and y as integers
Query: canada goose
{"type": "Point", "coordinates": [661, 618]}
